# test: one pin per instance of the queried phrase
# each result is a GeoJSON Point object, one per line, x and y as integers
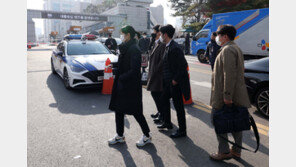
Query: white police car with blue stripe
{"type": "Point", "coordinates": [80, 61]}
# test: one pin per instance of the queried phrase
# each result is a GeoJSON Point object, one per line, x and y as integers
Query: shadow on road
{"type": "Point", "coordinates": [123, 149]}
{"type": "Point", "coordinates": [151, 150]}
{"type": "Point", "coordinates": [193, 155]}
{"type": "Point", "coordinates": [81, 102]}
{"type": "Point", "coordinates": [248, 136]}
{"type": "Point", "coordinates": [38, 71]}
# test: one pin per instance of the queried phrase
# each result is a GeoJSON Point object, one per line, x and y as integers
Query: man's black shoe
{"type": "Point", "coordinates": [155, 115]}
{"type": "Point", "coordinates": [158, 121]}
{"type": "Point", "coordinates": [178, 134]}
{"type": "Point", "coordinates": [165, 126]}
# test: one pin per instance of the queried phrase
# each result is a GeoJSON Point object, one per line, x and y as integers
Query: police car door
{"type": "Point", "coordinates": [55, 59]}
{"type": "Point", "coordinates": [60, 58]}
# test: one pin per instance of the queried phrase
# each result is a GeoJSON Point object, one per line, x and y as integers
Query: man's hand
{"type": "Point", "coordinates": [207, 58]}
{"type": "Point", "coordinates": [228, 102]}
{"type": "Point", "coordinates": [174, 82]}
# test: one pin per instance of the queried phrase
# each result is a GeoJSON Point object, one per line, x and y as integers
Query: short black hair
{"type": "Point", "coordinates": [156, 28]}
{"type": "Point", "coordinates": [138, 35]}
{"type": "Point", "coordinates": [110, 35]}
{"type": "Point", "coordinates": [144, 33]}
{"type": "Point", "coordinates": [214, 34]}
{"type": "Point", "coordinates": [228, 30]}
{"type": "Point", "coordinates": [168, 29]}
{"type": "Point", "coordinates": [129, 29]}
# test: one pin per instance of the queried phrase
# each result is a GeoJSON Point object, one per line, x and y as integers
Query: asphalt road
{"type": "Point", "coordinates": [71, 128]}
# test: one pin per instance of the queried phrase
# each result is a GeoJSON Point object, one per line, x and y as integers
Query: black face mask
{"type": "Point", "coordinates": [153, 35]}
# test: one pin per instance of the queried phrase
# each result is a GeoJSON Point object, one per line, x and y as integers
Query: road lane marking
{"type": "Point", "coordinates": [200, 70]}
{"type": "Point", "coordinates": [262, 129]}
{"type": "Point", "coordinates": [266, 128]}
{"type": "Point", "coordinates": [191, 58]}
{"type": "Point", "coordinates": [203, 83]}
{"type": "Point", "coordinates": [201, 108]}
{"type": "Point", "coordinates": [191, 62]}
{"type": "Point", "coordinates": [202, 104]}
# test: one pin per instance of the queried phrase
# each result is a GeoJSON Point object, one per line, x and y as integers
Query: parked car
{"type": "Point", "coordinates": [181, 42]}
{"type": "Point", "coordinates": [257, 81]}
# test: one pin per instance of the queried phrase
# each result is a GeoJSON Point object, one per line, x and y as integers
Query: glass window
{"type": "Point", "coordinates": [61, 47]}
{"type": "Point", "coordinates": [56, 7]}
{"type": "Point", "coordinates": [202, 34]}
{"type": "Point", "coordinates": [87, 48]}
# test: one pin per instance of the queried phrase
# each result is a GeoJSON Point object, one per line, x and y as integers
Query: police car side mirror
{"type": "Point", "coordinates": [194, 38]}
{"type": "Point", "coordinates": [113, 51]}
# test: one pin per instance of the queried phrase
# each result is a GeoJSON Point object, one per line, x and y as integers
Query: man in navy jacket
{"type": "Point", "coordinates": [175, 81]}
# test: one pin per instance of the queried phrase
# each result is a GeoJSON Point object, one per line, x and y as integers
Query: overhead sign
{"type": "Point", "coordinates": [71, 16]}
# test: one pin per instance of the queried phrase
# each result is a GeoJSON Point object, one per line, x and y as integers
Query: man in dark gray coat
{"type": "Point", "coordinates": [154, 83]}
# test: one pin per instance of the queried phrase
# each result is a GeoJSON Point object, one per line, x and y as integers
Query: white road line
{"type": "Point", "coordinates": [191, 62]}
{"type": "Point", "coordinates": [203, 83]}
{"type": "Point", "coordinates": [191, 58]}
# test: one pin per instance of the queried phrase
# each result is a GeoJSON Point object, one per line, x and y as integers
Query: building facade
{"type": "Point", "coordinates": [137, 14]}
{"type": "Point", "coordinates": [61, 26]}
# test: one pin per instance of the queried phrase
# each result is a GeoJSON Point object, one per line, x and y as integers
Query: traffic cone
{"type": "Point", "coordinates": [29, 46]}
{"type": "Point", "coordinates": [108, 78]}
{"type": "Point", "coordinates": [190, 100]}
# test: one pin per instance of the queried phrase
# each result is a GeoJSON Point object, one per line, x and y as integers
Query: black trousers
{"type": "Point", "coordinates": [119, 118]}
{"type": "Point", "coordinates": [175, 93]}
{"type": "Point", "coordinates": [156, 95]}
{"type": "Point", "coordinates": [212, 66]}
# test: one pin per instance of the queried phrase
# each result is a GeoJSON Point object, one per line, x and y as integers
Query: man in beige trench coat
{"type": "Point", "coordinates": [228, 86]}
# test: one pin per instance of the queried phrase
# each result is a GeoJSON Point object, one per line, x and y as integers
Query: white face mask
{"type": "Point", "coordinates": [122, 38]}
{"type": "Point", "coordinates": [218, 41]}
{"type": "Point", "coordinates": [160, 39]}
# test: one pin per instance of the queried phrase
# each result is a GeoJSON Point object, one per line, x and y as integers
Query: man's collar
{"type": "Point", "coordinates": [227, 43]}
{"type": "Point", "coordinates": [168, 44]}
{"type": "Point", "coordinates": [156, 41]}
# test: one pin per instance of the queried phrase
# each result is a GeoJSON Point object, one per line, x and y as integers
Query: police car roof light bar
{"type": "Point", "coordinates": [89, 37]}
{"type": "Point", "coordinates": [72, 36]}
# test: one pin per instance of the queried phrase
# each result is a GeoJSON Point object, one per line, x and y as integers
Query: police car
{"type": "Point", "coordinates": [80, 61]}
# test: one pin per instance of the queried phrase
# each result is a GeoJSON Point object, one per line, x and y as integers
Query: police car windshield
{"type": "Point", "coordinates": [79, 48]}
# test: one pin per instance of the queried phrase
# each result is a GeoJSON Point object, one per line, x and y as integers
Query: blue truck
{"type": "Point", "coordinates": [252, 32]}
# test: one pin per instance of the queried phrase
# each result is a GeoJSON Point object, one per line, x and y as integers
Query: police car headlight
{"type": "Point", "coordinates": [75, 67]}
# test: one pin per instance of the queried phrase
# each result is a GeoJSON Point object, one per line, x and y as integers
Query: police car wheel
{"type": "Point", "coordinates": [52, 67]}
{"type": "Point", "coordinates": [66, 79]}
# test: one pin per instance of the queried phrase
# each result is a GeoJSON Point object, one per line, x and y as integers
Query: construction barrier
{"type": "Point", "coordinates": [190, 100]}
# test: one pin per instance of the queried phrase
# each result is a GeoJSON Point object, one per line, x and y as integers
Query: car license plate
{"type": "Point", "coordinates": [100, 78]}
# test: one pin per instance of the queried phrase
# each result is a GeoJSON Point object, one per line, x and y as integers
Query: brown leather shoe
{"type": "Point", "coordinates": [235, 154]}
{"type": "Point", "coordinates": [220, 156]}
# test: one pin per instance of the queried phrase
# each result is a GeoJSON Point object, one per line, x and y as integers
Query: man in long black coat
{"type": "Point", "coordinates": [176, 81]}
{"type": "Point", "coordinates": [187, 44]}
{"type": "Point", "coordinates": [111, 43]}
